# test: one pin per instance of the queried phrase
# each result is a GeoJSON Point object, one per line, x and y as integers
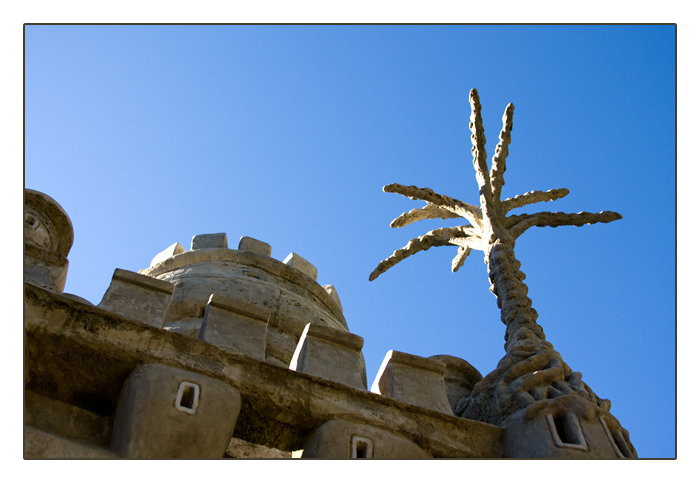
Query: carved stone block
{"type": "Point", "coordinates": [235, 326]}
{"type": "Point", "coordinates": [256, 246]}
{"type": "Point", "coordinates": [331, 354]}
{"type": "Point", "coordinates": [414, 380]}
{"type": "Point", "coordinates": [213, 240]}
{"type": "Point", "coordinates": [138, 297]}
{"type": "Point", "coordinates": [301, 264]}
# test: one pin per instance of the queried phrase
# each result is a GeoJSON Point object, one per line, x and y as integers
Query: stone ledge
{"type": "Point", "coordinates": [143, 281]}
{"type": "Point", "coordinates": [63, 335]}
{"type": "Point", "coordinates": [239, 307]}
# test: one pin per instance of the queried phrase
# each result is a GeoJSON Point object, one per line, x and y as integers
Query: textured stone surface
{"type": "Point", "coordinates": [460, 378]}
{"type": "Point", "coordinates": [331, 354]}
{"type": "Point", "coordinates": [291, 298]}
{"type": "Point", "coordinates": [296, 261]}
{"type": "Point", "coordinates": [165, 412]}
{"type": "Point", "coordinates": [212, 240]}
{"type": "Point", "coordinates": [81, 355]}
{"type": "Point", "coordinates": [413, 379]}
{"type": "Point", "coordinates": [238, 448]}
{"type": "Point", "coordinates": [48, 237]}
{"type": "Point", "coordinates": [40, 444]}
{"type": "Point", "coordinates": [339, 439]}
{"type": "Point", "coordinates": [256, 246]}
{"type": "Point", "coordinates": [138, 297]}
{"type": "Point", "coordinates": [171, 251]}
{"type": "Point", "coordinates": [235, 327]}
{"type": "Point", "coordinates": [334, 295]}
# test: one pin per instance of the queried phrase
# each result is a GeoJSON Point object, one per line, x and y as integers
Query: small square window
{"type": "Point", "coordinates": [187, 398]}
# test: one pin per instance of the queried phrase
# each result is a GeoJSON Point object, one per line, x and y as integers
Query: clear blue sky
{"type": "Point", "coordinates": [150, 135]}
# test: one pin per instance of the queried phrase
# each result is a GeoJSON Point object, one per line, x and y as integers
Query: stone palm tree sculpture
{"type": "Point", "coordinates": [532, 376]}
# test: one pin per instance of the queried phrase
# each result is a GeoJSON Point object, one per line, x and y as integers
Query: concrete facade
{"type": "Point", "coordinates": [216, 352]}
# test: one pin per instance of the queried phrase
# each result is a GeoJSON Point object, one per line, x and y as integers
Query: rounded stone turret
{"type": "Point", "coordinates": [286, 292]}
{"type": "Point", "coordinates": [48, 237]}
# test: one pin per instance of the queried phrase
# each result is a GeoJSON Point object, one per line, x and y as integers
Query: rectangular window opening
{"type": "Point", "coordinates": [361, 447]}
{"type": "Point", "coordinates": [566, 431]}
{"type": "Point", "coordinates": [187, 398]}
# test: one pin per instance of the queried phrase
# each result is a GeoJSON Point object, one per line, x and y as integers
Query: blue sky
{"type": "Point", "coordinates": [150, 135]}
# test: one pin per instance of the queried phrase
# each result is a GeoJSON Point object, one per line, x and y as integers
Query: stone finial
{"type": "Point", "coordinates": [304, 266]}
{"type": "Point", "coordinates": [256, 246]}
{"type": "Point", "coordinates": [413, 380]}
{"type": "Point", "coordinates": [212, 240]}
{"type": "Point", "coordinates": [171, 251]}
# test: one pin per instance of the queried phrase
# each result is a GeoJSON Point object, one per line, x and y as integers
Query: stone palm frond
{"type": "Point", "coordinates": [489, 222]}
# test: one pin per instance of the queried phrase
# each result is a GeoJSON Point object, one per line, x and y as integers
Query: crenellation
{"type": "Point", "coordinates": [304, 266]}
{"type": "Point", "coordinates": [171, 251]}
{"type": "Point", "coordinates": [212, 240]}
{"type": "Point", "coordinates": [256, 246]}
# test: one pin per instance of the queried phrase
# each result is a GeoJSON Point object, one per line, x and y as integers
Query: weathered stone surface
{"type": "Point", "coordinates": [296, 261]}
{"type": "Point", "coordinates": [71, 422]}
{"type": "Point", "coordinates": [77, 298]}
{"type": "Point", "coordinates": [40, 444]}
{"type": "Point", "coordinates": [339, 439]}
{"type": "Point", "coordinates": [291, 298]}
{"type": "Point", "coordinates": [48, 237]}
{"type": "Point", "coordinates": [238, 448]}
{"type": "Point", "coordinates": [171, 251]}
{"type": "Point", "coordinates": [256, 246]}
{"type": "Point", "coordinates": [235, 326]}
{"type": "Point", "coordinates": [46, 224]}
{"type": "Point", "coordinates": [45, 269]}
{"type": "Point", "coordinates": [564, 428]}
{"type": "Point", "coordinates": [212, 240]}
{"type": "Point", "coordinates": [331, 354]}
{"type": "Point", "coordinates": [460, 378]}
{"type": "Point", "coordinates": [138, 297]}
{"type": "Point", "coordinates": [165, 412]}
{"type": "Point", "coordinates": [413, 379]}
{"type": "Point", "coordinates": [81, 355]}
{"type": "Point", "coordinates": [334, 295]}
